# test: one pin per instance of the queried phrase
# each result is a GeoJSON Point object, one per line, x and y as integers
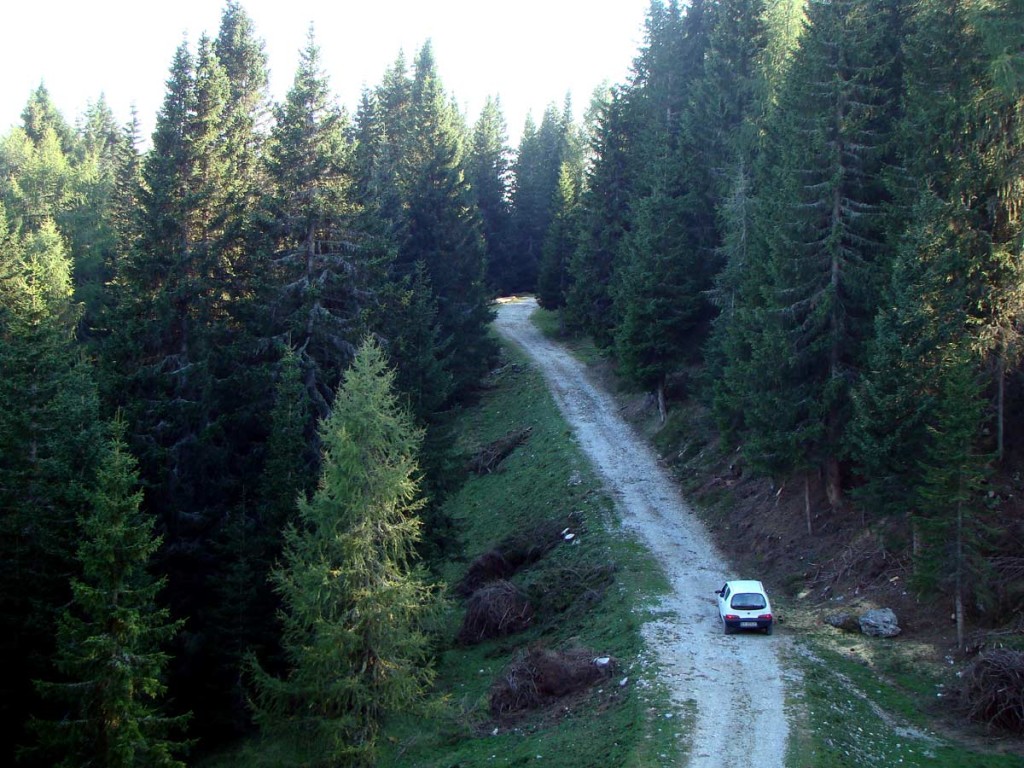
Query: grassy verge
{"type": "Point", "coordinates": [620, 723]}
{"type": "Point", "coordinates": [864, 715]}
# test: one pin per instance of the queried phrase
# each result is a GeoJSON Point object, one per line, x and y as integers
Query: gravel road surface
{"type": "Point", "coordinates": [736, 681]}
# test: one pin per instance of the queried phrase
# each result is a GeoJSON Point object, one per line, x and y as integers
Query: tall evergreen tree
{"type": "Point", "coordinates": [183, 364]}
{"type": "Point", "coordinates": [604, 221]}
{"type": "Point", "coordinates": [110, 637]}
{"type": "Point", "coordinates": [537, 168]}
{"type": "Point", "coordinates": [89, 225]}
{"type": "Point", "coordinates": [826, 246]}
{"type": "Point", "coordinates": [489, 173]}
{"type": "Point", "coordinates": [353, 599]}
{"type": "Point", "coordinates": [953, 470]}
{"type": "Point", "coordinates": [48, 448]}
{"type": "Point", "coordinates": [560, 242]}
{"type": "Point", "coordinates": [320, 278]}
{"type": "Point", "coordinates": [444, 227]}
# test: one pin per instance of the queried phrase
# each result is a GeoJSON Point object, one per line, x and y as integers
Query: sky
{"type": "Point", "coordinates": [529, 53]}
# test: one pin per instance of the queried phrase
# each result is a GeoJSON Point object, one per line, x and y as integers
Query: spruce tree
{"type": "Point", "coordinates": [559, 242]}
{"type": "Point", "coordinates": [826, 246]}
{"type": "Point", "coordinates": [952, 473]}
{"type": "Point", "coordinates": [444, 228]}
{"type": "Point", "coordinates": [48, 450]}
{"type": "Point", "coordinates": [111, 635]}
{"type": "Point", "coordinates": [537, 168]}
{"type": "Point", "coordinates": [490, 178]}
{"type": "Point", "coordinates": [320, 277]}
{"type": "Point", "coordinates": [354, 601]}
{"type": "Point", "coordinates": [604, 221]}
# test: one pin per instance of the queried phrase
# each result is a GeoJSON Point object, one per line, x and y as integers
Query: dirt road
{"type": "Point", "coordinates": [734, 681]}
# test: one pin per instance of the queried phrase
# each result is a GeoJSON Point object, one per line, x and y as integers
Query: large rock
{"type": "Point", "coordinates": [880, 622]}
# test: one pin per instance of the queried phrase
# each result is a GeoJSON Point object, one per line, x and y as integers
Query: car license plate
{"type": "Point", "coordinates": [748, 623]}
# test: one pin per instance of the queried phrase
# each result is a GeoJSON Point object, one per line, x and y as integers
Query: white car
{"type": "Point", "coordinates": [744, 605]}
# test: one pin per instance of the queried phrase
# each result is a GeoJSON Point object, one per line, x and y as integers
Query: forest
{"type": "Point", "coordinates": [229, 363]}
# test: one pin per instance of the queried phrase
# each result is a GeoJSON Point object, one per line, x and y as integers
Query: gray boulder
{"type": "Point", "coordinates": [880, 622]}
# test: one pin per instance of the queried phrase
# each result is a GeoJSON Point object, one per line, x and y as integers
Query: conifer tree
{"type": "Point", "coordinates": [48, 448]}
{"type": "Point", "coordinates": [89, 226]}
{"type": "Point", "coordinates": [182, 362]}
{"type": "Point", "coordinates": [604, 221]}
{"type": "Point", "coordinates": [444, 228]}
{"type": "Point", "coordinates": [537, 168]}
{"type": "Point", "coordinates": [826, 244]}
{"type": "Point", "coordinates": [41, 115]}
{"type": "Point", "coordinates": [560, 242]}
{"type": "Point", "coordinates": [895, 400]}
{"type": "Point", "coordinates": [110, 637]}
{"type": "Point", "coordinates": [999, 194]}
{"type": "Point", "coordinates": [490, 178]}
{"type": "Point", "coordinates": [952, 471]}
{"type": "Point", "coordinates": [320, 276]}
{"type": "Point", "coordinates": [354, 601]}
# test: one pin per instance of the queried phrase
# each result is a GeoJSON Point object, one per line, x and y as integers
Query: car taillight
{"type": "Point", "coordinates": [767, 616]}
{"type": "Point", "coordinates": [731, 617]}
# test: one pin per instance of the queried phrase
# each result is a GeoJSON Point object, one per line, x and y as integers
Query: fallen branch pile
{"type": "Point", "coordinates": [495, 610]}
{"type": "Point", "coordinates": [511, 555]}
{"type": "Point", "coordinates": [539, 676]}
{"type": "Point", "coordinates": [487, 459]}
{"type": "Point", "coordinates": [992, 690]}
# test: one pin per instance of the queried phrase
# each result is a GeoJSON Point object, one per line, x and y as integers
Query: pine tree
{"type": "Point", "coordinates": [537, 168]}
{"type": "Point", "coordinates": [826, 244]}
{"type": "Point", "coordinates": [48, 450]}
{"type": "Point", "coordinates": [490, 178]}
{"type": "Point", "coordinates": [560, 242]}
{"type": "Point", "coordinates": [183, 362]}
{"type": "Point", "coordinates": [319, 262]}
{"type": "Point", "coordinates": [952, 471]}
{"type": "Point", "coordinates": [894, 403]}
{"type": "Point", "coordinates": [110, 636]}
{"type": "Point", "coordinates": [41, 115]}
{"type": "Point", "coordinates": [444, 228]}
{"type": "Point", "coordinates": [353, 599]}
{"type": "Point", "coordinates": [999, 193]}
{"type": "Point", "coordinates": [603, 223]}
{"type": "Point", "coordinates": [89, 225]}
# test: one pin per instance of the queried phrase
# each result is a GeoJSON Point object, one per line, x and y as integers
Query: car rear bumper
{"type": "Point", "coordinates": [761, 624]}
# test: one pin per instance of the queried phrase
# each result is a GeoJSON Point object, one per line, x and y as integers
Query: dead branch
{"type": "Point", "coordinates": [487, 459]}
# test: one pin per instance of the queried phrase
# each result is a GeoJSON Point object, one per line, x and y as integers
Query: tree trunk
{"type": "Point", "coordinates": [960, 575]}
{"type": "Point", "coordinates": [833, 484]}
{"type": "Point", "coordinates": [662, 410]}
{"type": "Point", "coordinates": [1000, 405]}
{"type": "Point", "coordinates": [807, 503]}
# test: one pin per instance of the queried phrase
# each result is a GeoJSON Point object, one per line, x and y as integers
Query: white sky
{"type": "Point", "coordinates": [527, 52]}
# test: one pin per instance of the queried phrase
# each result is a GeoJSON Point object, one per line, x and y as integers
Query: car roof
{"type": "Point", "coordinates": [745, 585]}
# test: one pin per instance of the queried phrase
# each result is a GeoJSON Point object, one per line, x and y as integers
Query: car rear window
{"type": "Point", "coordinates": [747, 601]}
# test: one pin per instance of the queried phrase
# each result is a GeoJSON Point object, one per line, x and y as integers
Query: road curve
{"type": "Point", "coordinates": [735, 682]}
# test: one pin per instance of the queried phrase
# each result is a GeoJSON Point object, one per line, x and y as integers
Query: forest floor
{"type": "Point", "coordinates": [735, 684]}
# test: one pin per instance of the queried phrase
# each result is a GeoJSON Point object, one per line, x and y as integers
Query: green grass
{"type": "Point", "coordinates": [860, 716]}
{"type": "Point", "coordinates": [583, 348]}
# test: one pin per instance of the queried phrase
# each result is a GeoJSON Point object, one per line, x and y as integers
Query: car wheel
{"type": "Point", "coordinates": [726, 629]}
{"type": "Point", "coordinates": [768, 629]}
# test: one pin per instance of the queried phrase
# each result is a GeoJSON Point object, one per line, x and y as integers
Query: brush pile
{"type": "Point", "coordinates": [539, 676]}
{"type": "Point", "coordinates": [992, 690]}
